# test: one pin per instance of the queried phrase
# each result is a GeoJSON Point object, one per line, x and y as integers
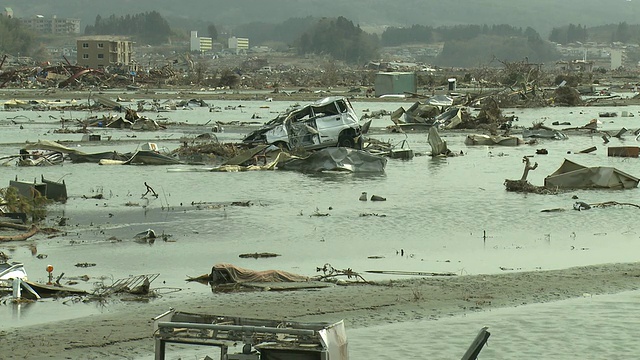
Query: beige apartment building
{"type": "Point", "coordinates": [238, 45]}
{"type": "Point", "coordinates": [52, 25]}
{"type": "Point", "coordinates": [199, 43]}
{"type": "Point", "coordinates": [101, 51]}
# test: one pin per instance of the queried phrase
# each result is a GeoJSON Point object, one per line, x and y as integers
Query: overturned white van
{"type": "Point", "coordinates": [327, 122]}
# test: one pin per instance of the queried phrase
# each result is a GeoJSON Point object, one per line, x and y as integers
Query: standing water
{"type": "Point", "coordinates": [440, 214]}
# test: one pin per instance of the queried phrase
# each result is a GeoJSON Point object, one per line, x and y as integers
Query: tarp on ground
{"type": "Point", "coordinates": [337, 159]}
{"type": "Point", "coordinates": [51, 146]}
{"type": "Point", "coordinates": [571, 175]}
{"type": "Point", "coordinates": [228, 273]}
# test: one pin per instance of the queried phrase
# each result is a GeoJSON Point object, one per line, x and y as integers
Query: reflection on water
{"type": "Point", "coordinates": [20, 309]}
{"type": "Point", "coordinates": [448, 215]}
{"type": "Point", "coordinates": [342, 177]}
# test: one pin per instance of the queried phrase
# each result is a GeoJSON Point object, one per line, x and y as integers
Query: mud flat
{"type": "Point", "coordinates": [127, 333]}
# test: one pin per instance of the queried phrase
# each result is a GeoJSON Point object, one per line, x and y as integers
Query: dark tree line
{"type": "Point", "coordinates": [150, 27]}
{"type": "Point", "coordinates": [394, 36]}
{"type": "Point", "coordinates": [623, 33]}
{"type": "Point", "coordinates": [492, 49]}
{"type": "Point", "coordinates": [288, 31]}
{"type": "Point", "coordinates": [14, 38]}
{"type": "Point", "coordinates": [569, 34]}
{"type": "Point", "coordinates": [340, 39]}
{"type": "Point", "coordinates": [212, 31]}
{"type": "Point", "coordinates": [476, 45]}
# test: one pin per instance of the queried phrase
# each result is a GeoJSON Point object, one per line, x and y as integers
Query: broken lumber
{"type": "Point", "coordinates": [5, 224]}
{"type": "Point", "coordinates": [24, 236]}
{"type": "Point", "coordinates": [410, 273]}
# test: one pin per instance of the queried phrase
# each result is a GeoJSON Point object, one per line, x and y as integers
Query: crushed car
{"type": "Point", "coordinates": [331, 121]}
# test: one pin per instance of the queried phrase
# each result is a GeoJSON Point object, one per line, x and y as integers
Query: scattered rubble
{"type": "Point", "coordinates": [299, 149]}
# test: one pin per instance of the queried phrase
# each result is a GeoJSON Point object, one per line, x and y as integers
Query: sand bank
{"type": "Point", "coordinates": [127, 333]}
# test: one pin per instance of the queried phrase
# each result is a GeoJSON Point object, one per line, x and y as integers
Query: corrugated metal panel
{"type": "Point", "coordinates": [395, 83]}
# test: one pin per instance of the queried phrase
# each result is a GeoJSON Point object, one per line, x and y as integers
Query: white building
{"type": "Point", "coordinates": [616, 59]}
{"type": "Point", "coordinates": [238, 45]}
{"type": "Point", "coordinates": [200, 44]}
{"type": "Point", "coordinates": [52, 25]}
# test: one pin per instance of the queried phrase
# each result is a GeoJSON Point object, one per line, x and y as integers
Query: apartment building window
{"type": "Point", "coordinates": [100, 45]}
{"type": "Point", "coordinates": [85, 45]}
{"type": "Point", "coordinates": [85, 56]}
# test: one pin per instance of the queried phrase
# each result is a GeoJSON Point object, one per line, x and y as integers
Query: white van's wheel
{"type": "Point", "coordinates": [346, 141]}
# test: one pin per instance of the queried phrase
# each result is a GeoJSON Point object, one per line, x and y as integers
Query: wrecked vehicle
{"type": "Point", "coordinates": [331, 121]}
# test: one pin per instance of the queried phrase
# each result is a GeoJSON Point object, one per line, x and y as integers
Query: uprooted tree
{"type": "Point", "coordinates": [11, 201]}
{"type": "Point", "coordinates": [525, 186]}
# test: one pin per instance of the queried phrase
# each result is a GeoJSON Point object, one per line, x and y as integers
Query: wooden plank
{"type": "Point", "coordinates": [410, 273]}
{"type": "Point", "coordinates": [28, 287]}
{"type": "Point", "coordinates": [24, 236]}
{"type": "Point", "coordinates": [623, 151]}
{"type": "Point", "coordinates": [477, 345]}
{"type": "Point", "coordinates": [588, 150]}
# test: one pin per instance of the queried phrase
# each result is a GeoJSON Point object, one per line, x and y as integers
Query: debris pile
{"type": "Point", "coordinates": [425, 115]}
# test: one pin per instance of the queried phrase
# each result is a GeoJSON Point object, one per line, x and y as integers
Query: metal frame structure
{"type": "Point", "coordinates": [260, 339]}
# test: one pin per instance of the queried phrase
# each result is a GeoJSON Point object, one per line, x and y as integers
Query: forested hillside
{"type": "Point", "coordinates": [541, 15]}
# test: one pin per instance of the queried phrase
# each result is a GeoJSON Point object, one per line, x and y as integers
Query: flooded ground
{"type": "Point", "coordinates": [589, 327]}
{"type": "Point", "coordinates": [441, 215]}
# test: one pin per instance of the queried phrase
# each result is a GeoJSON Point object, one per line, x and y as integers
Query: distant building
{"type": "Point", "coordinates": [57, 52]}
{"type": "Point", "coordinates": [238, 45]}
{"type": "Point", "coordinates": [200, 44]}
{"type": "Point", "coordinates": [575, 66]}
{"type": "Point", "coordinates": [395, 83]}
{"type": "Point", "coordinates": [616, 59]}
{"type": "Point", "coordinates": [261, 49]}
{"type": "Point", "coordinates": [52, 25]}
{"type": "Point", "coordinates": [101, 51]}
{"type": "Point", "coordinates": [8, 12]}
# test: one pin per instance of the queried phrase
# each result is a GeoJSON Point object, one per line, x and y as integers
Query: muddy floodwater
{"type": "Point", "coordinates": [440, 215]}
